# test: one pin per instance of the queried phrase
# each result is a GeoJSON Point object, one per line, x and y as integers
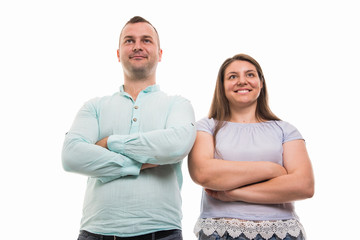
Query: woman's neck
{"type": "Point", "coordinates": [243, 115]}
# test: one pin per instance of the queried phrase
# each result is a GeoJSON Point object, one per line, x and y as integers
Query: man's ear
{"type": "Point", "coordinates": [118, 54]}
{"type": "Point", "coordinates": [160, 54]}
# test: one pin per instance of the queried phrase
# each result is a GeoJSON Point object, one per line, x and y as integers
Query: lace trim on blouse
{"type": "Point", "coordinates": [235, 227]}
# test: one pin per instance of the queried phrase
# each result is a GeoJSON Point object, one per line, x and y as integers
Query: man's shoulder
{"type": "Point", "coordinates": [173, 97]}
{"type": "Point", "coordinates": [96, 101]}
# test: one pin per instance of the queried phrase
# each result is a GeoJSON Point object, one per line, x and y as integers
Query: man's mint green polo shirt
{"type": "Point", "coordinates": [120, 198]}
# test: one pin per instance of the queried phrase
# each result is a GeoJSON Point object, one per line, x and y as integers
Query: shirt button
{"type": "Point", "coordinates": [134, 119]}
{"type": "Point", "coordinates": [136, 107]}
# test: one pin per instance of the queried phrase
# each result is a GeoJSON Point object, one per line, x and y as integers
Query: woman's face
{"type": "Point", "coordinates": [242, 84]}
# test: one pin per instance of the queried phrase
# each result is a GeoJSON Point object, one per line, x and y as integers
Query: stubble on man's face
{"type": "Point", "coordinates": [139, 51]}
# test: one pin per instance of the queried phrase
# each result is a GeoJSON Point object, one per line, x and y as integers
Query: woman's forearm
{"type": "Point", "coordinates": [222, 175]}
{"type": "Point", "coordinates": [287, 188]}
{"type": "Point", "coordinates": [218, 174]}
{"type": "Point", "coordinates": [296, 185]}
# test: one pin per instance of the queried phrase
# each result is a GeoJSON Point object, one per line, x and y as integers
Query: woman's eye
{"type": "Point", "coordinates": [232, 77]}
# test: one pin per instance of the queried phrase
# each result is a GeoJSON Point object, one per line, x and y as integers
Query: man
{"type": "Point", "coordinates": [131, 146]}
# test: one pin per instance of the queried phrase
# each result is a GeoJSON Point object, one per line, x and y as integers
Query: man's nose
{"type": "Point", "coordinates": [137, 46]}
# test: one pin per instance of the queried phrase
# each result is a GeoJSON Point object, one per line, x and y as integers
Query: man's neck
{"type": "Point", "coordinates": [134, 87]}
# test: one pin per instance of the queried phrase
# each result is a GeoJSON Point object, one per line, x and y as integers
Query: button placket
{"type": "Point", "coordinates": [136, 107]}
{"type": "Point", "coordinates": [135, 118]}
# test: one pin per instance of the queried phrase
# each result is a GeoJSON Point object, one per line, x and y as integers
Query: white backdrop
{"type": "Point", "coordinates": [55, 55]}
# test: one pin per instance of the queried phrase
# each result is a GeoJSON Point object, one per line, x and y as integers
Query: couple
{"type": "Point", "coordinates": [252, 165]}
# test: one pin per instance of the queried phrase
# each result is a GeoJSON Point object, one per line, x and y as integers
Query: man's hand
{"type": "Point", "coordinates": [148, 165]}
{"type": "Point", "coordinates": [102, 142]}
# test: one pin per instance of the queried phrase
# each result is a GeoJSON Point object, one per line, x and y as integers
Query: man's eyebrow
{"type": "Point", "coordinates": [143, 36]}
{"type": "Point", "coordinates": [146, 36]}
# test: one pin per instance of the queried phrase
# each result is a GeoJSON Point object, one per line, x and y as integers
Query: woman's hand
{"type": "Point", "coordinates": [224, 196]}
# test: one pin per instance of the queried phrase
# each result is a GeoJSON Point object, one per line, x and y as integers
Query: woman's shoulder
{"type": "Point", "coordinates": [206, 120]}
{"type": "Point", "coordinates": [283, 125]}
{"type": "Point", "coordinates": [205, 124]}
{"type": "Point", "coordinates": [289, 131]}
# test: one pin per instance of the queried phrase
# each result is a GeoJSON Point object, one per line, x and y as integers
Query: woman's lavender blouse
{"type": "Point", "coordinates": [249, 142]}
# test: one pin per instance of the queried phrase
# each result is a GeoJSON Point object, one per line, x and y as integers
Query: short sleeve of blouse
{"type": "Point", "coordinates": [289, 132]}
{"type": "Point", "coordinates": [205, 125]}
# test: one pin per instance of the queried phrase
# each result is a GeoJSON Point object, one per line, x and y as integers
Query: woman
{"type": "Point", "coordinates": [252, 165]}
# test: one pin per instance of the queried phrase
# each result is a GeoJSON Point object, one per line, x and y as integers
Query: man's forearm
{"type": "Point", "coordinates": [165, 146]}
{"type": "Point", "coordinates": [94, 161]}
{"type": "Point", "coordinates": [103, 143]}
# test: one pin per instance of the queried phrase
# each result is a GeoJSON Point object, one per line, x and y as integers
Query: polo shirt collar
{"type": "Point", "coordinates": [152, 88]}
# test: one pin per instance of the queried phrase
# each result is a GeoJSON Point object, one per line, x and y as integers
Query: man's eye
{"type": "Point", "coordinates": [147, 41]}
{"type": "Point", "coordinates": [129, 41]}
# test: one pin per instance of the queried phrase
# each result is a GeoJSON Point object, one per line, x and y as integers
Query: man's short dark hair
{"type": "Point", "coordinates": [138, 19]}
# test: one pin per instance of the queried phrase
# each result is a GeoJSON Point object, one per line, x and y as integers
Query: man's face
{"type": "Point", "coordinates": [139, 50]}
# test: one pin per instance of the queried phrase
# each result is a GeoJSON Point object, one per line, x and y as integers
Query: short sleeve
{"type": "Point", "coordinates": [290, 132]}
{"type": "Point", "coordinates": [205, 125]}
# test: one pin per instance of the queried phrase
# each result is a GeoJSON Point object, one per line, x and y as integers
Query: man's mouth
{"type": "Point", "coordinates": [137, 57]}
